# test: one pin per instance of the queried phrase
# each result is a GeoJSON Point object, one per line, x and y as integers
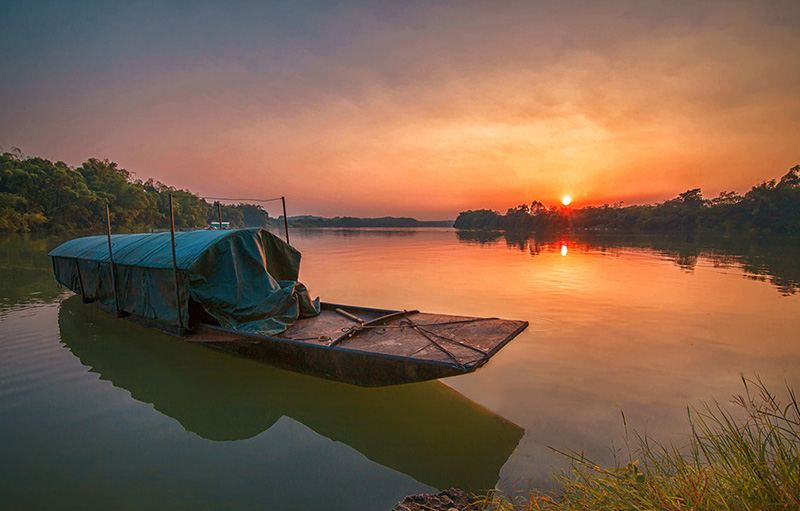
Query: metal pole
{"type": "Point", "coordinates": [111, 262]}
{"type": "Point", "coordinates": [285, 219]}
{"type": "Point", "coordinates": [219, 213]}
{"type": "Point", "coordinates": [174, 261]}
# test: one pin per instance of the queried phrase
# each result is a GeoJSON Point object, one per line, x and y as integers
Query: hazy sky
{"type": "Point", "coordinates": [410, 108]}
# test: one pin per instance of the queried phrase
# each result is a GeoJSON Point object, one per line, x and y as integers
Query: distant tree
{"type": "Point", "coordinates": [775, 207]}
{"type": "Point", "coordinates": [537, 208]}
{"type": "Point", "coordinates": [482, 219]}
{"type": "Point", "coordinates": [517, 219]}
{"type": "Point", "coordinates": [254, 215]}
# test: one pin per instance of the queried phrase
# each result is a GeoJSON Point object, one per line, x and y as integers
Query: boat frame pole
{"type": "Point", "coordinates": [175, 261]}
{"type": "Point", "coordinates": [117, 311]}
{"type": "Point", "coordinates": [219, 214]}
{"type": "Point", "coordinates": [285, 219]}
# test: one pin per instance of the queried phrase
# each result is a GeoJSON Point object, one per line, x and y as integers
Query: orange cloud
{"type": "Point", "coordinates": [434, 109]}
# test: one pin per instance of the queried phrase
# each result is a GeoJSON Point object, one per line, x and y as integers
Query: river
{"type": "Point", "coordinates": [97, 413]}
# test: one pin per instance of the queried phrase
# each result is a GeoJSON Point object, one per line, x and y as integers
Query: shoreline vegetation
{"type": "Point", "coordinates": [770, 207]}
{"type": "Point", "coordinates": [37, 195]}
{"type": "Point", "coordinates": [745, 459]}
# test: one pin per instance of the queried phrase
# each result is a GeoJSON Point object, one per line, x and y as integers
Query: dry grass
{"type": "Point", "coordinates": [730, 463]}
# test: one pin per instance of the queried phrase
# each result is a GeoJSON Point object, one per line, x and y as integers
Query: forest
{"type": "Point", "coordinates": [39, 195]}
{"type": "Point", "coordinates": [769, 207]}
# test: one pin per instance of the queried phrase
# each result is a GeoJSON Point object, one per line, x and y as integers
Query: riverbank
{"type": "Point", "coordinates": [748, 458]}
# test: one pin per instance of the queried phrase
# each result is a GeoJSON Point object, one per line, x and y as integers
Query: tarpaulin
{"type": "Point", "coordinates": [245, 278]}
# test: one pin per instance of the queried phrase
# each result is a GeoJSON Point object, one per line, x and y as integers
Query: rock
{"type": "Point", "coordinates": [448, 500]}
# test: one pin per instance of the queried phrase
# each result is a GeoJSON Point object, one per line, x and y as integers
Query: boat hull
{"type": "Point", "coordinates": [364, 346]}
{"type": "Point", "coordinates": [349, 366]}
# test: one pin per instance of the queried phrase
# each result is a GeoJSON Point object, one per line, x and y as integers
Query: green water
{"type": "Point", "coordinates": [96, 413]}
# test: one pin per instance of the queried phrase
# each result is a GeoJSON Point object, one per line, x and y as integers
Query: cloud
{"type": "Point", "coordinates": [429, 108]}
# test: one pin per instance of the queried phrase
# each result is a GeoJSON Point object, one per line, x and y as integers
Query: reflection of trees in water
{"type": "Point", "coordinates": [771, 259]}
{"type": "Point", "coordinates": [535, 248]}
{"type": "Point", "coordinates": [479, 237]}
{"type": "Point", "coordinates": [687, 262]}
{"type": "Point", "coordinates": [26, 272]}
{"type": "Point", "coordinates": [783, 274]}
{"type": "Point", "coordinates": [519, 242]}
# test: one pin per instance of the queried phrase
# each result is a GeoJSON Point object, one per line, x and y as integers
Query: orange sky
{"type": "Point", "coordinates": [422, 109]}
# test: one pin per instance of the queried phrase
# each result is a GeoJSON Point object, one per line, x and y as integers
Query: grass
{"type": "Point", "coordinates": [731, 463]}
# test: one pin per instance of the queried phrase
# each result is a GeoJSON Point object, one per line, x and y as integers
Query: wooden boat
{"type": "Point", "coordinates": [372, 347]}
{"type": "Point", "coordinates": [237, 291]}
{"type": "Point", "coordinates": [425, 430]}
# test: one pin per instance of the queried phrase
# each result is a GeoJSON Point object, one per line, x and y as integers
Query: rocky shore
{"type": "Point", "coordinates": [448, 500]}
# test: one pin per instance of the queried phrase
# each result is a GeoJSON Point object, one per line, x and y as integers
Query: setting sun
{"type": "Point", "coordinates": [565, 200]}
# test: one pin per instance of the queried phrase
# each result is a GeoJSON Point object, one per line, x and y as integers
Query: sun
{"type": "Point", "coordinates": [565, 200]}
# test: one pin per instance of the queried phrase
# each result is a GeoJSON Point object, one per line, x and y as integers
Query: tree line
{"type": "Point", "coordinates": [769, 207]}
{"type": "Point", "coordinates": [354, 222]}
{"type": "Point", "coordinates": [39, 195]}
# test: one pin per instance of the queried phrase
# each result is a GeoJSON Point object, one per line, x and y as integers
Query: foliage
{"type": "Point", "coordinates": [242, 215]}
{"type": "Point", "coordinates": [26, 272]}
{"type": "Point", "coordinates": [482, 219]}
{"type": "Point", "coordinates": [769, 207]}
{"type": "Point", "coordinates": [38, 195]}
{"type": "Point", "coordinates": [729, 464]}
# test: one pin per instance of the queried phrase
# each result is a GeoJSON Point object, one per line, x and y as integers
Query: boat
{"type": "Point", "coordinates": [407, 428]}
{"type": "Point", "coordinates": [238, 291]}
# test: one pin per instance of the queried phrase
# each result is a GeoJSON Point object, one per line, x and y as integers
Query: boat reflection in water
{"type": "Point", "coordinates": [425, 430]}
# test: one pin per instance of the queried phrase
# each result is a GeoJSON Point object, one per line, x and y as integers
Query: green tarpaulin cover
{"type": "Point", "coordinates": [245, 278]}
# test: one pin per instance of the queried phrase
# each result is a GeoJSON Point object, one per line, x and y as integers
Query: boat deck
{"type": "Point", "coordinates": [408, 345]}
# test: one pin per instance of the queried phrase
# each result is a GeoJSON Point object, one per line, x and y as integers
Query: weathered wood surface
{"type": "Point", "coordinates": [373, 346]}
{"type": "Point", "coordinates": [460, 340]}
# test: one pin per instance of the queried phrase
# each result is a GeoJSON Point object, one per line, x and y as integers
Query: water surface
{"type": "Point", "coordinates": [96, 413]}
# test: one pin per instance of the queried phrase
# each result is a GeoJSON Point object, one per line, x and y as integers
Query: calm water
{"type": "Point", "coordinates": [96, 413]}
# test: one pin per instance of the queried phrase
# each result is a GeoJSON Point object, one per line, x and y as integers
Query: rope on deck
{"type": "Point", "coordinates": [421, 328]}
